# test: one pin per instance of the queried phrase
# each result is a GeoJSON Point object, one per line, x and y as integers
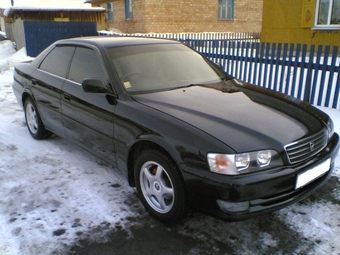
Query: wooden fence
{"type": "Point", "coordinates": [229, 36]}
{"type": "Point", "coordinates": [310, 74]}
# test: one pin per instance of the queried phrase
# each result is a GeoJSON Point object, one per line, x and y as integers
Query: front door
{"type": "Point", "coordinates": [88, 117]}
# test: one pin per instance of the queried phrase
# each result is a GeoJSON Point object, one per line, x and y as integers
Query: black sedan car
{"type": "Point", "coordinates": [184, 133]}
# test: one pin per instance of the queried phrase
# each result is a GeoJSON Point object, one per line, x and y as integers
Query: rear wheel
{"type": "Point", "coordinates": [33, 121]}
{"type": "Point", "coordinates": [160, 186]}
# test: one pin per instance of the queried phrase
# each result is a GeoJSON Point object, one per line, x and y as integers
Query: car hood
{"type": "Point", "coordinates": [243, 116]}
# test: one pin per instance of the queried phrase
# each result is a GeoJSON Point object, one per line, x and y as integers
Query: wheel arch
{"type": "Point", "coordinates": [42, 132]}
{"type": "Point", "coordinates": [136, 149]}
{"type": "Point", "coordinates": [25, 95]}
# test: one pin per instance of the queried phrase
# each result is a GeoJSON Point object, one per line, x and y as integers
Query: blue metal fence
{"type": "Point", "coordinates": [39, 35]}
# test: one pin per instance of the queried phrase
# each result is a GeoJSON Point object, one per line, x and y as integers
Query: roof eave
{"type": "Point", "coordinates": [11, 10]}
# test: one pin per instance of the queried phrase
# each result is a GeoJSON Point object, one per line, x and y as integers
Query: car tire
{"type": "Point", "coordinates": [34, 122]}
{"type": "Point", "coordinates": [160, 186]}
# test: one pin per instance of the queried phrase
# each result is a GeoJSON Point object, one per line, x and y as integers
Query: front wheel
{"type": "Point", "coordinates": [33, 121]}
{"type": "Point", "coordinates": [160, 186]}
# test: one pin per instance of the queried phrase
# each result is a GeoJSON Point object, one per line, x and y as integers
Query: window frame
{"type": "Point", "coordinates": [225, 4]}
{"type": "Point", "coordinates": [327, 26]}
{"type": "Point", "coordinates": [128, 10]}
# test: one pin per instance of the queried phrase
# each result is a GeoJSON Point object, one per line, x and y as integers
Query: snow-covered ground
{"type": "Point", "coordinates": [53, 194]}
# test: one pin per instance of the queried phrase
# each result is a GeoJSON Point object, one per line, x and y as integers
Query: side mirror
{"type": "Point", "coordinates": [94, 86]}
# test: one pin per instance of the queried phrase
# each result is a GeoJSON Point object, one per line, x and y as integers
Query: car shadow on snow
{"type": "Point", "coordinates": [200, 234]}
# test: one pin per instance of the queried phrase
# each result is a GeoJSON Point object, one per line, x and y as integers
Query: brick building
{"type": "Point", "coordinates": [175, 16]}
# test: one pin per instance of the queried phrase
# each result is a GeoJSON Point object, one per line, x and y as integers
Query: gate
{"type": "Point", "coordinates": [39, 35]}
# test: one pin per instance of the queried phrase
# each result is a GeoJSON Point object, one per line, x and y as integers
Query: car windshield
{"type": "Point", "coordinates": [144, 68]}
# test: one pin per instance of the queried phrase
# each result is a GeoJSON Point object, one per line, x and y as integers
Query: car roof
{"type": "Point", "coordinates": [104, 42]}
{"type": "Point", "coordinates": [112, 41]}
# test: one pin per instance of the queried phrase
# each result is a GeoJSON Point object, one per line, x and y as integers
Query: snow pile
{"type": "Point", "coordinates": [44, 3]}
{"type": "Point", "coordinates": [7, 49]}
{"type": "Point", "coordinates": [317, 221]}
{"type": "Point", "coordinates": [8, 12]}
{"type": "Point", "coordinates": [110, 33]}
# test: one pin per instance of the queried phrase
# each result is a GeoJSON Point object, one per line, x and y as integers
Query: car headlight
{"type": "Point", "coordinates": [263, 158]}
{"type": "Point", "coordinates": [233, 164]}
{"type": "Point", "coordinates": [242, 161]}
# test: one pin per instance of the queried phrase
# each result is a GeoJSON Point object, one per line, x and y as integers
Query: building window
{"type": "Point", "coordinates": [110, 11]}
{"type": "Point", "coordinates": [128, 10]}
{"type": "Point", "coordinates": [226, 9]}
{"type": "Point", "coordinates": [327, 14]}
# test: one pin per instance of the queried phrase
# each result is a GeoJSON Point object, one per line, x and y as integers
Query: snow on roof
{"type": "Point", "coordinates": [9, 11]}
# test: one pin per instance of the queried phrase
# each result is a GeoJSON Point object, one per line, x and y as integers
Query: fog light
{"type": "Point", "coordinates": [233, 207]}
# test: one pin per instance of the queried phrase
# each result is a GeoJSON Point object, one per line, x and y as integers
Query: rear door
{"type": "Point", "coordinates": [88, 117]}
{"type": "Point", "coordinates": [47, 82]}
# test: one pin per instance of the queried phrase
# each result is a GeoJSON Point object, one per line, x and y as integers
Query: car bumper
{"type": "Point", "coordinates": [245, 196]}
{"type": "Point", "coordinates": [18, 91]}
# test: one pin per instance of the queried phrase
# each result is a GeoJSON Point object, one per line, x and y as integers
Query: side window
{"type": "Point", "coordinates": [86, 64]}
{"type": "Point", "coordinates": [58, 60]}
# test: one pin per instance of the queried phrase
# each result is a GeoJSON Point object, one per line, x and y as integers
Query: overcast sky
{"type": "Point", "coordinates": [41, 3]}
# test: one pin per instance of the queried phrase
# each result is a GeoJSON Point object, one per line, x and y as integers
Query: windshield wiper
{"type": "Point", "coordinates": [187, 86]}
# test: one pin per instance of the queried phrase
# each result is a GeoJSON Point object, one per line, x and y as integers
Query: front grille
{"type": "Point", "coordinates": [306, 148]}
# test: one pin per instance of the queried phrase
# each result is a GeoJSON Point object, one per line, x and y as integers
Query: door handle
{"type": "Point", "coordinates": [34, 81]}
{"type": "Point", "coordinates": [67, 97]}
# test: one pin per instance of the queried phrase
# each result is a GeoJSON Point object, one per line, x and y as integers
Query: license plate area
{"type": "Point", "coordinates": [312, 174]}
